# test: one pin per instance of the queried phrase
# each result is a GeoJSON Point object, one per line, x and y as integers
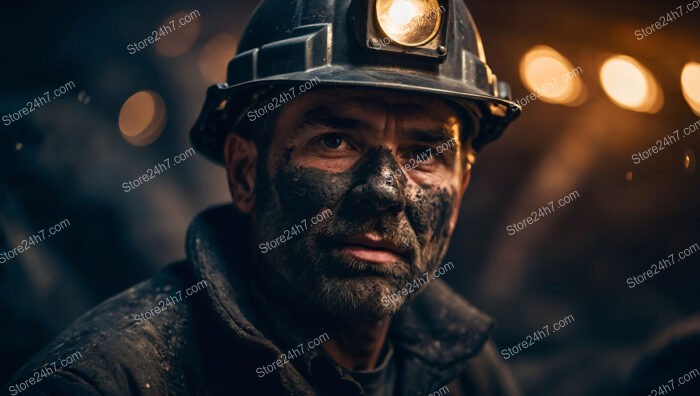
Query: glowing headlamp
{"type": "Point", "coordinates": [409, 22]}
{"type": "Point", "coordinates": [412, 27]}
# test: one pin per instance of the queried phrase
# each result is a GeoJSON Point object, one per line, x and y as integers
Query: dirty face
{"type": "Point", "coordinates": [367, 185]}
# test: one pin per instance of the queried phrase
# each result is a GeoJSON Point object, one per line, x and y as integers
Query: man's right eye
{"type": "Point", "coordinates": [334, 142]}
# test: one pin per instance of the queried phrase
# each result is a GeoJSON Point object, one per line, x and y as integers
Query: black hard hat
{"type": "Point", "coordinates": [416, 46]}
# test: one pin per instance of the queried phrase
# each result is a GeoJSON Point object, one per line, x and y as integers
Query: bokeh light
{"type": "Point", "coordinates": [177, 41]}
{"type": "Point", "coordinates": [690, 81]}
{"type": "Point", "coordinates": [551, 76]}
{"type": "Point", "coordinates": [142, 118]}
{"type": "Point", "coordinates": [215, 55]}
{"type": "Point", "coordinates": [630, 85]}
{"type": "Point", "coordinates": [83, 97]}
{"type": "Point", "coordinates": [689, 161]}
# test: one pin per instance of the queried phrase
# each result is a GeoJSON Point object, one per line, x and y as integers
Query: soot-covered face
{"type": "Point", "coordinates": [356, 194]}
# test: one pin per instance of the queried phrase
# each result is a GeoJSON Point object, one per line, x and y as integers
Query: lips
{"type": "Point", "coordinates": [373, 248]}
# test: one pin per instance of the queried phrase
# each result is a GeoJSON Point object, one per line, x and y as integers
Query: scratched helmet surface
{"type": "Point", "coordinates": [416, 46]}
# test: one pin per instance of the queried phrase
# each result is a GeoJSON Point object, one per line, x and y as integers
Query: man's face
{"type": "Point", "coordinates": [390, 169]}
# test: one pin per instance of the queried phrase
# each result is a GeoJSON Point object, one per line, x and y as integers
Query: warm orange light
{"type": "Point", "coordinates": [690, 81]}
{"type": "Point", "coordinates": [402, 11]}
{"type": "Point", "coordinates": [142, 118]}
{"type": "Point", "coordinates": [215, 55]}
{"type": "Point", "coordinates": [630, 85]}
{"type": "Point", "coordinates": [409, 22]}
{"type": "Point", "coordinates": [550, 77]}
{"type": "Point", "coordinates": [689, 162]}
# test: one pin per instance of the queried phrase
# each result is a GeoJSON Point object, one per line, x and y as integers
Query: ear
{"type": "Point", "coordinates": [465, 183]}
{"type": "Point", "coordinates": [241, 157]}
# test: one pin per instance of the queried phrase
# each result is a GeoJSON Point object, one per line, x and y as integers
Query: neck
{"type": "Point", "coordinates": [356, 345]}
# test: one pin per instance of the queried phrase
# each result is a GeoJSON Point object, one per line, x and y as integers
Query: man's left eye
{"type": "Point", "coordinates": [421, 152]}
{"type": "Point", "coordinates": [334, 141]}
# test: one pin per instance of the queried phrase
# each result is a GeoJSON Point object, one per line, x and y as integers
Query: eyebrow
{"type": "Point", "coordinates": [328, 117]}
{"type": "Point", "coordinates": [432, 135]}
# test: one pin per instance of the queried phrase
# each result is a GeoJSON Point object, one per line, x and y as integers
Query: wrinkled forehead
{"type": "Point", "coordinates": [376, 105]}
{"type": "Point", "coordinates": [370, 110]}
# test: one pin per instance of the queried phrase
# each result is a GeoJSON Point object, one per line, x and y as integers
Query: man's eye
{"type": "Point", "coordinates": [334, 141]}
{"type": "Point", "coordinates": [421, 152]}
{"type": "Point", "coordinates": [421, 155]}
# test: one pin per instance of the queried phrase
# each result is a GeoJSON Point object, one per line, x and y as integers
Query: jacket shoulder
{"type": "Point", "coordinates": [127, 345]}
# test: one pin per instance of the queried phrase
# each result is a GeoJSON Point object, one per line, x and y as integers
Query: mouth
{"type": "Point", "coordinates": [371, 247]}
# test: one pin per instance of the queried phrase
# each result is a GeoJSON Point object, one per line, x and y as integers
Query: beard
{"type": "Point", "coordinates": [311, 264]}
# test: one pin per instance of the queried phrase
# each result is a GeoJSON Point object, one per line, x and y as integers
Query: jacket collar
{"type": "Point", "coordinates": [435, 335]}
{"type": "Point", "coordinates": [438, 333]}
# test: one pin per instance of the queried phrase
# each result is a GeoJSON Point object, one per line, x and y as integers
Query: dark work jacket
{"type": "Point", "coordinates": [213, 341]}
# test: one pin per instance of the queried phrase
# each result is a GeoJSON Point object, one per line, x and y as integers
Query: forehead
{"type": "Point", "coordinates": [372, 106]}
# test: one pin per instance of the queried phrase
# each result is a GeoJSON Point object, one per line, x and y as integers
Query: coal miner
{"type": "Point", "coordinates": [322, 275]}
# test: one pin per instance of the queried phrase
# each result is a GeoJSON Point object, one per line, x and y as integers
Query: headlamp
{"type": "Point", "coordinates": [409, 22]}
{"type": "Point", "coordinates": [411, 27]}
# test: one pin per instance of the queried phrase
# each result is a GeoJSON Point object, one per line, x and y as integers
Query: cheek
{"type": "Point", "coordinates": [303, 192]}
{"type": "Point", "coordinates": [436, 178]}
{"type": "Point", "coordinates": [429, 210]}
{"type": "Point", "coordinates": [327, 164]}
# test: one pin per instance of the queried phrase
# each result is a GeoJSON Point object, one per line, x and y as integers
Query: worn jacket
{"type": "Point", "coordinates": [211, 341]}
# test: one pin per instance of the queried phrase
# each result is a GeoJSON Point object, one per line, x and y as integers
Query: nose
{"type": "Point", "coordinates": [382, 184]}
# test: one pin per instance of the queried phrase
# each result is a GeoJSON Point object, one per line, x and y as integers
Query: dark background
{"type": "Point", "coordinates": [67, 160]}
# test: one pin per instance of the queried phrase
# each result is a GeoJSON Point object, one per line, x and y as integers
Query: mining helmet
{"type": "Point", "coordinates": [416, 46]}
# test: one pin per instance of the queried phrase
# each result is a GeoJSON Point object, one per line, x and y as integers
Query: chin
{"type": "Point", "coordinates": [343, 286]}
{"type": "Point", "coordinates": [356, 298]}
